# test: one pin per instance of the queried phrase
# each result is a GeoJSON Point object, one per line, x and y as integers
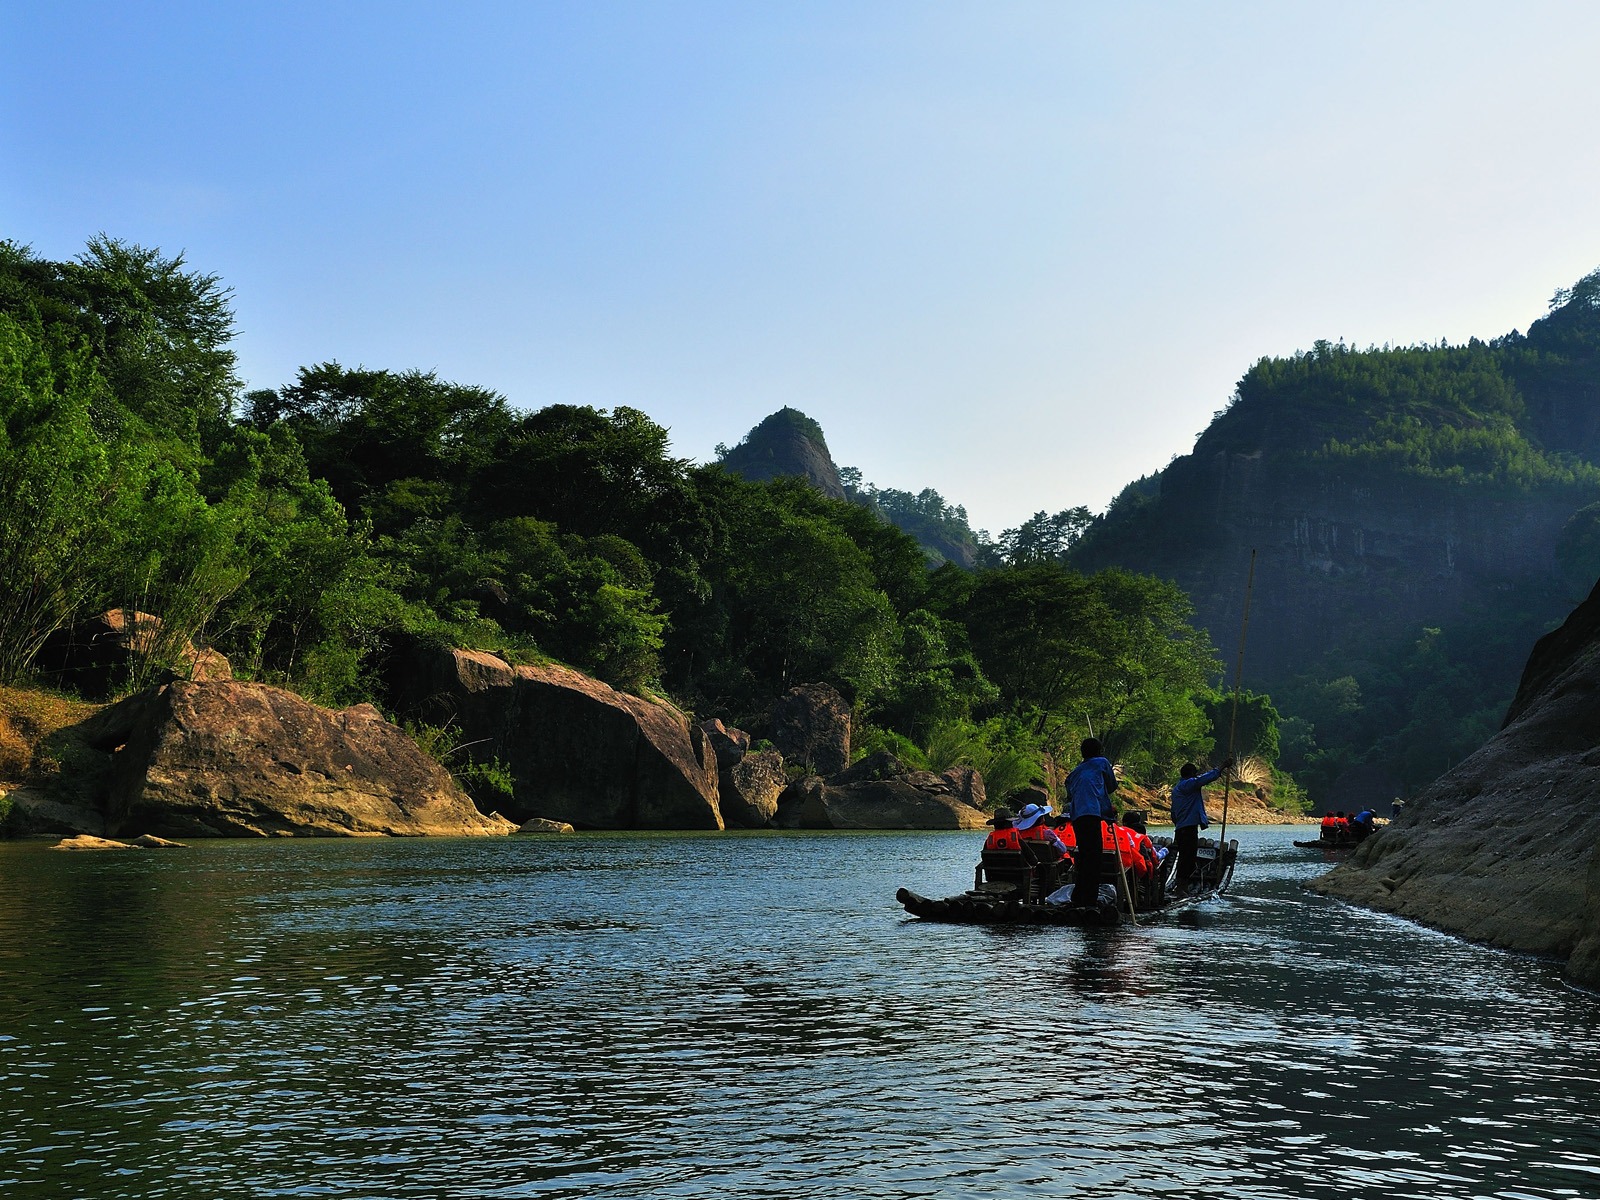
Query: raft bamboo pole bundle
{"type": "Point", "coordinates": [1233, 721]}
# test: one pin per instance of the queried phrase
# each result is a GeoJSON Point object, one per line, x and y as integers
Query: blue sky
{"type": "Point", "coordinates": [1015, 252]}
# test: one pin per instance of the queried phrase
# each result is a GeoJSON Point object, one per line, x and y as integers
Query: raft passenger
{"type": "Point", "coordinates": [1004, 836]}
{"type": "Point", "coordinates": [1031, 826]}
{"type": "Point", "coordinates": [1147, 859]}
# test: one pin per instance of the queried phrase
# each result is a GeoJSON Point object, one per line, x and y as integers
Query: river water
{"type": "Point", "coordinates": [659, 1015]}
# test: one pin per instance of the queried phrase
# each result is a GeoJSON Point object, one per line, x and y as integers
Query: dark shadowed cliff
{"type": "Point", "coordinates": [1505, 848]}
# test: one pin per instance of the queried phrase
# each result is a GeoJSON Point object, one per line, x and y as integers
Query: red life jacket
{"type": "Point", "coordinates": [1147, 853]}
{"type": "Point", "coordinates": [1002, 839]}
{"type": "Point", "coordinates": [1122, 839]}
{"type": "Point", "coordinates": [1327, 823]}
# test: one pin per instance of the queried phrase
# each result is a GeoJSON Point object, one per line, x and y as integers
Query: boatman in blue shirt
{"type": "Point", "coordinates": [1089, 789]}
{"type": "Point", "coordinates": [1189, 818]}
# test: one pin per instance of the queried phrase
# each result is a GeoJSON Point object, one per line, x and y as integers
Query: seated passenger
{"type": "Point", "coordinates": [1062, 825]}
{"type": "Point", "coordinates": [1031, 827]}
{"type": "Point", "coordinates": [1004, 836]}
{"type": "Point", "coordinates": [1148, 859]}
{"type": "Point", "coordinates": [1328, 826]}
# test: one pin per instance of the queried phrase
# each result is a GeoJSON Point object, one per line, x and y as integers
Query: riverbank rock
{"type": "Point", "coordinates": [85, 841]}
{"type": "Point", "coordinates": [750, 789]}
{"type": "Point", "coordinates": [38, 811]}
{"type": "Point", "coordinates": [1505, 847]}
{"type": "Point", "coordinates": [811, 728]}
{"type": "Point", "coordinates": [95, 655]}
{"type": "Point", "coordinates": [578, 751]}
{"type": "Point", "coordinates": [247, 760]}
{"type": "Point", "coordinates": [879, 792]}
{"type": "Point", "coordinates": [540, 825]}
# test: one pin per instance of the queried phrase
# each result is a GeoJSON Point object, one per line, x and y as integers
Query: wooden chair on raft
{"type": "Point", "coordinates": [1029, 874]}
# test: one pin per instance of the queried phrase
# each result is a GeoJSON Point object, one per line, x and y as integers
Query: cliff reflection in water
{"type": "Point", "coordinates": [750, 1016]}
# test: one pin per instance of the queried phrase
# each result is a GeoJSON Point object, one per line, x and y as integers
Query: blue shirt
{"type": "Point", "coordinates": [1089, 787]}
{"type": "Point", "coordinates": [1189, 802]}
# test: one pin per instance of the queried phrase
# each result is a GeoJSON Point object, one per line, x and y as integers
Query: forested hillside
{"type": "Point", "coordinates": [1422, 515]}
{"type": "Point", "coordinates": [309, 530]}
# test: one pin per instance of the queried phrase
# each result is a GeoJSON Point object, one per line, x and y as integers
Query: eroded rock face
{"type": "Point", "coordinates": [1505, 848]}
{"type": "Point", "coordinates": [247, 760]}
{"type": "Point", "coordinates": [750, 789]}
{"type": "Point", "coordinates": [579, 751]}
{"type": "Point", "coordinates": [811, 728]}
{"type": "Point", "coordinates": [94, 655]}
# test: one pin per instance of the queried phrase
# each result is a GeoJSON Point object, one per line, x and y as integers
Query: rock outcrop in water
{"type": "Point", "coordinates": [1505, 848]}
{"type": "Point", "coordinates": [578, 750]}
{"type": "Point", "coordinates": [246, 760]}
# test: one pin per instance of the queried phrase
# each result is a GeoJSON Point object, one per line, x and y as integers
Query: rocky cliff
{"type": "Point", "coordinates": [1348, 558]}
{"type": "Point", "coordinates": [1505, 848]}
{"type": "Point", "coordinates": [787, 443]}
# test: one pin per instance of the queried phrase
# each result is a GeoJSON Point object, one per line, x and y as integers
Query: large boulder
{"type": "Point", "coordinates": [886, 804]}
{"type": "Point", "coordinates": [750, 789]}
{"type": "Point", "coordinates": [578, 751]}
{"type": "Point", "coordinates": [880, 793]}
{"type": "Point", "coordinates": [811, 728]}
{"type": "Point", "coordinates": [1505, 848]}
{"type": "Point", "coordinates": [247, 760]}
{"type": "Point", "coordinates": [93, 656]}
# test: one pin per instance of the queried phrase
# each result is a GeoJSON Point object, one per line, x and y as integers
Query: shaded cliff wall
{"type": "Point", "coordinates": [1505, 848]}
{"type": "Point", "coordinates": [1346, 557]}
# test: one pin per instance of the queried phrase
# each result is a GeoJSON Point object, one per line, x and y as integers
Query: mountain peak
{"type": "Point", "coordinates": [787, 443]}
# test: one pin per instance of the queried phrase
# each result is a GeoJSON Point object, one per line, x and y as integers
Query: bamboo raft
{"type": "Point", "coordinates": [1009, 888]}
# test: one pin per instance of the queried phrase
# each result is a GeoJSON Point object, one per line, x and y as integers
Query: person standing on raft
{"type": "Point", "coordinates": [1089, 789]}
{"type": "Point", "coordinates": [1189, 817]}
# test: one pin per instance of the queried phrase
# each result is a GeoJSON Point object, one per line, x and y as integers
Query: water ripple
{"type": "Point", "coordinates": [750, 1016]}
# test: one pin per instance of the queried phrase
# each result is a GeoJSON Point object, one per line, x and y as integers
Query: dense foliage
{"type": "Point", "coordinates": [310, 530]}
